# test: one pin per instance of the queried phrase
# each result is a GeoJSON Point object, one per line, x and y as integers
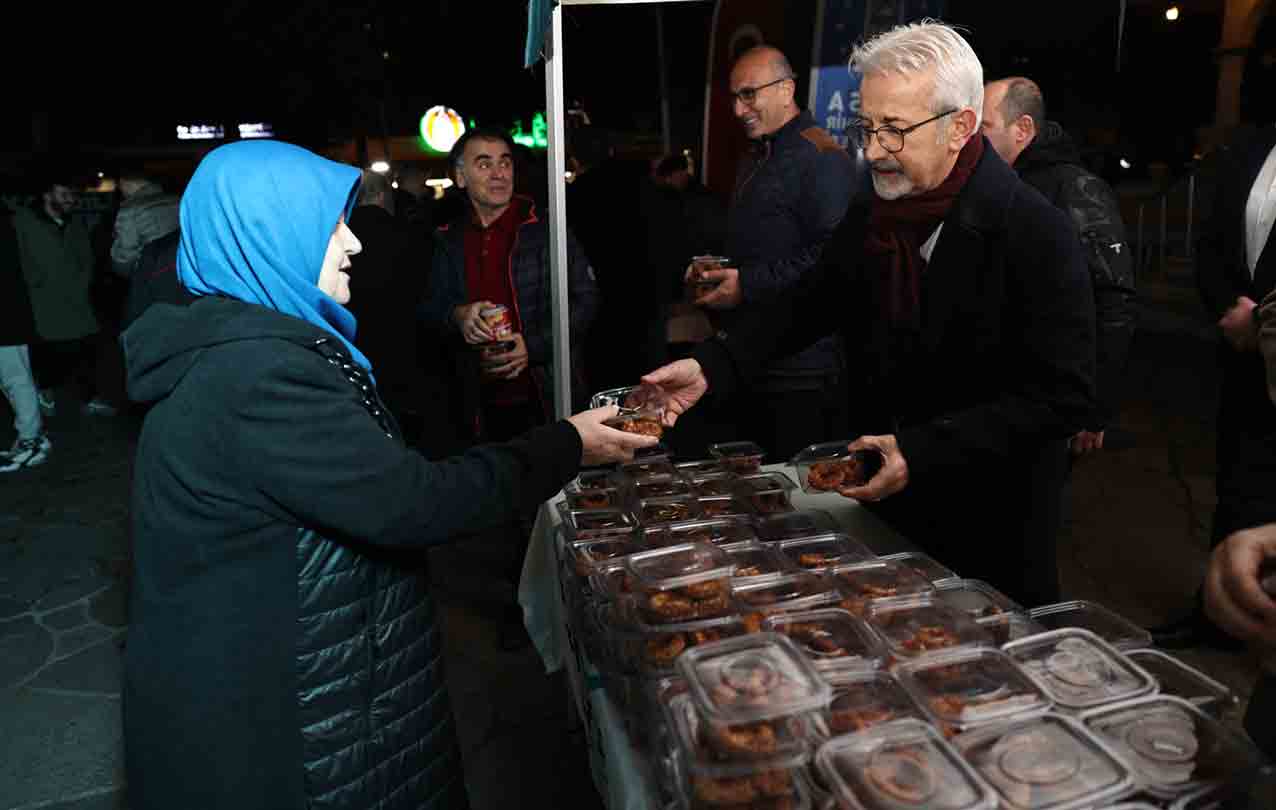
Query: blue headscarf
{"type": "Point", "coordinates": [256, 219]}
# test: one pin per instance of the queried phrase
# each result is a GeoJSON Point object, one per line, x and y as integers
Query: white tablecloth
{"type": "Point", "coordinates": [621, 775]}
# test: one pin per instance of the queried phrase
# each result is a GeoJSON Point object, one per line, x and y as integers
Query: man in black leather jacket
{"type": "Point", "coordinates": [1045, 158]}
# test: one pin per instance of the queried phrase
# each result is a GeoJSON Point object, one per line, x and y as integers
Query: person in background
{"type": "Point", "coordinates": [146, 214]}
{"type": "Point", "coordinates": [31, 447]}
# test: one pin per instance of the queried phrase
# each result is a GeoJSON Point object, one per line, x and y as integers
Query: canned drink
{"type": "Point", "coordinates": [699, 264]}
{"type": "Point", "coordinates": [497, 317]}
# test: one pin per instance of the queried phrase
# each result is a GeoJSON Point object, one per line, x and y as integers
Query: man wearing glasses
{"type": "Point", "coordinates": [968, 302]}
{"type": "Point", "coordinates": [791, 191]}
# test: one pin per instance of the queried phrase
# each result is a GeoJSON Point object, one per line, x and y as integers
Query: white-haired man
{"type": "Point", "coordinates": [969, 299]}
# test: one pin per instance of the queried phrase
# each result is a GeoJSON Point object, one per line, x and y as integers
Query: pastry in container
{"type": "Point", "coordinates": [777, 742]}
{"type": "Point", "coordinates": [920, 625]}
{"type": "Point", "coordinates": [716, 531]}
{"type": "Point", "coordinates": [641, 407]}
{"type": "Point", "coordinates": [742, 458]}
{"type": "Point", "coordinates": [1008, 627]}
{"type": "Point", "coordinates": [924, 564]}
{"type": "Point", "coordinates": [766, 493]}
{"type": "Point", "coordinates": [1049, 762]}
{"type": "Point", "coordinates": [832, 466]}
{"type": "Point", "coordinates": [862, 699]}
{"type": "Point", "coordinates": [972, 687]}
{"type": "Point", "coordinates": [750, 678]}
{"type": "Point", "coordinates": [713, 484]}
{"type": "Point", "coordinates": [861, 584]}
{"type": "Point", "coordinates": [682, 583]}
{"type": "Point", "coordinates": [588, 557]}
{"type": "Point", "coordinates": [591, 524]}
{"type": "Point", "coordinates": [1177, 679]}
{"type": "Point", "coordinates": [660, 511]}
{"type": "Point", "coordinates": [1079, 670]}
{"type": "Point", "coordinates": [641, 467]}
{"type": "Point", "coordinates": [659, 486]}
{"type": "Point", "coordinates": [1108, 625]}
{"type": "Point", "coordinates": [831, 637]}
{"type": "Point", "coordinates": [824, 551]}
{"type": "Point", "coordinates": [788, 592]}
{"type": "Point", "coordinates": [699, 467]}
{"type": "Point", "coordinates": [976, 598]}
{"type": "Point", "coordinates": [652, 649]}
{"type": "Point", "coordinates": [754, 560]}
{"type": "Point", "coordinates": [900, 765]}
{"type": "Point", "coordinates": [1173, 748]}
{"type": "Point", "coordinates": [793, 525]}
{"type": "Point", "coordinates": [723, 506]}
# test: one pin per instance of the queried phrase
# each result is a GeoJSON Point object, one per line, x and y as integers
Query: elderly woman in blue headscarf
{"type": "Point", "coordinates": [283, 649]}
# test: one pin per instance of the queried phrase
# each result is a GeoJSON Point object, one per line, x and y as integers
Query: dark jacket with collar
{"type": "Point", "coordinates": [1246, 419]}
{"type": "Point", "coordinates": [17, 326]}
{"type": "Point", "coordinates": [790, 194]}
{"type": "Point", "coordinates": [1052, 165]}
{"type": "Point", "coordinates": [284, 650]}
{"type": "Point", "coordinates": [532, 280]}
{"type": "Point", "coordinates": [1002, 375]}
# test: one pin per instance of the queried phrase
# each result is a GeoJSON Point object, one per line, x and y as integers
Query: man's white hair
{"type": "Point", "coordinates": [917, 48]}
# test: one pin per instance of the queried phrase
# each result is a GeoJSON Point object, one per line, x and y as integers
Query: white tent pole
{"type": "Point", "coordinates": [558, 217]}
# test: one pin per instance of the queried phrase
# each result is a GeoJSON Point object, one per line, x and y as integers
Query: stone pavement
{"type": "Point", "coordinates": [1135, 540]}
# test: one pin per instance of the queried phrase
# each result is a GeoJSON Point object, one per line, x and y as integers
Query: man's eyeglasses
{"type": "Point", "coordinates": [748, 95]}
{"type": "Point", "coordinates": [890, 138]}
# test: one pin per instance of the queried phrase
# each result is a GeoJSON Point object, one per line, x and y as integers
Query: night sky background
{"type": "Point", "coordinates": [323, 72]}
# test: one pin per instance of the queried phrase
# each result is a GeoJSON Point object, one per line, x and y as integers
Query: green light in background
{"type": "Point", "coordinates": [538, 138]}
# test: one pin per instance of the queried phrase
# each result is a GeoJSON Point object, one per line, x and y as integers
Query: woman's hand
{"type": "Point", "coordinates": [601, 444]}
{"type": "Point", "coordinates": [683, 382]}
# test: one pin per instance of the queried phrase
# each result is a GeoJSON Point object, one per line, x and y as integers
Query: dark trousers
{"type": "Point", "coordinates": [785, 420]}
{"type": "Point", "coordinates": [75, 363]}
{"type": "Point", "coordinates": [502, 423]}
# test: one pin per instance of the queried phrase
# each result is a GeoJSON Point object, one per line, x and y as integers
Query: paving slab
{"type": "Point", "coordinates": [98, 669]}
{"type": "Point", "coordinates": [57, 747]}
{"type": "Point", "coordinates": [24, 647]}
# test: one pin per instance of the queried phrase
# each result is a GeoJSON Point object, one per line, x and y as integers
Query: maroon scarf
{"type": "Point", "coordinates": [898, 228]}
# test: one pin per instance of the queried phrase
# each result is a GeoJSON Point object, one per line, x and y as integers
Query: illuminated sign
{"type": "Point", "coordinates": [441, 128]}
{"type": "Point", "coordinates": [538, 138]}
{"type": "Point", "coordinates": [257, 130]}
{"type": "Point", "coordinates": [200, 132]}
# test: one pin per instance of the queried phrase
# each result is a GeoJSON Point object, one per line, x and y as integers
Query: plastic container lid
{"type": "Point", "coordinates": [920, 625]}
{"type": "Point", "coordinates": [924, 564]}
{"type": "Point", "coordinates": [587, 524]}
{"type": "Point", "coordinates": [1177, 679]}
{"type": "Point", "coordinates": [1112, 627]}
{"type": "Point", "coordinates": [1045, 763]}
{"type": "Point", "coordinates": [1173, 747]}
{"type": "Point", "coordinates": [824, 551]}
{"type": "Point", "coordinates": [1078, 669]}
{"type": "Point", "coordinates": [972, 687]}
{"type": "Point", "coordinates": [714, 749]}
{"type": "Point", "coordinates": [589, 556]}
{"type": "Point", "coordinates": [682, 583]}
{"type": "Point", "coordinates": [590, 479]}
{"type": "Point", "coordinates": [977, 598]}
{"type": "Point", "coordinates": [717, 531]}
{"type": "Point", "coordinates": [738, 457]}
{"type": "Point", "coordinates": [723, 506]}
{"type": "Point", "coordinates": [755, 789]}
{"type": "Point", "coordinates": [898, 765]}
{"type": "Point", "coordinates": [653, 466]}
{"type": "Point", "coordinates": [863, 699]}
{"type": "Point", "coordinates": [753, 559]}
{"type": "Point", "coordinates": [862, 583]}
{"type": "Point", "coordinates": [656, 511]}
{"type": "Point", "coordinates": [755, 677]}
{"type": "Point", "coordinates": [632, 399]}
{"type": "Point", "coordinates": [799, 591]}
{"type": "Point", "coordinates": [704, 466]}
{"type": "Point", "coordinates": [655, 452]}
{"type": "Point", "coordinates": [652, 649]}
{"type": "Point", "coordinates": [829, 466]}
{"type": "Point", "coordinates": [1008, 627]}
{"type": "Point", "coordinates": [792, 525]}
{"type": "Point", "coordinates": [830, 637]}
{"type": "Point", "coordinates": [715, 483]}
{"type": "Point", "coordinates": [659, 486]}
{"type": "Point", "coordinates": [765, 482]}
{"type": "Point", "coordinates": [594, 498]}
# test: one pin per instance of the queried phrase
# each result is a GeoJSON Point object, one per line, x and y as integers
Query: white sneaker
{"type": "Point", "coordinates": [26, 453]}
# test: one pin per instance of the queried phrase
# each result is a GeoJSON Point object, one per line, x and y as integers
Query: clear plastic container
{"type": "Point", "coordinates": [659, 486]}
{"type": "Point", "coordinates": [655, 452]}
{"type": "Point", "coordinates": [863, 699]}
{"type": "Point", "coordinates": [706, 746]}
{"type": "Point", "coordinates": [753, 560]}
{"type": "Point", "coordinates": [588, 557]}
{"type": "Point", "coordinates": [660, 511]}
{"type": "Point", "coordinates": [1173, 747]}
{"type": "Point", "coordinates": [723, 506]}
{"type": "Point", "coordinates": [863, 583]}
{"type": "Point", "coordinates": [830, 637]}
{"type": "Point", "coordinates": [829, 466]}
{"type": "Point", "coordinates": [1045, 763]}
{"type": "Point", "coordinates": [717, 531]}
{"type": "Point", "coordinates": [639, 468]}
{"type": "Point", "coordinates": [924, 564]}
{"type": "Point", "coordinates": [772, 502]}
{"type": "Point", "coordinates": [590, 524]}
{"type": "Point", "coordinates": [746, 788]}
{"type": "Point", "coordinates": [755, 677]}
{"type": "Point", "coordinates": [822, 552]}
{"type": "Point", "coordinates": [972, 687]}
{"type": "Point", "coordinates": [632, 398]}
{"type": "Point", "coordinates": [714, 483]}
{"type": "Point", "coordinates": [742, 458]}
{"type": "Point", "coordinates": [682, 583]}
{"type": "Point", "coordinates": [765, 482]}
{"type": "Point", "coordinates": [976, 598]}
{"type": "Point", "coordinates": [593, 479]}
{"type": "Point", "coordinates": [652, 649]}
{"type": "Point", "coordinates": [1177, 679]}
{"type": "Point", "coordinates": [789, 592]}
{"type": "Point", "coordinates": [1079, 670]}
{"type": "Point", "coordinates": [1008, 627]}
{"type": "Point", "coordinates": [612, 582]}
{"type": "Point", "coordinates": [793, 525]}
{"type": "Point", "coordinates": [642, 423]}
{"type": "Point", "coordinates": [900, 765]}
{"type": "Point", "coordinates": [594, 498]}
{"type": "Point", "coordinates": [699, 467]}
{"type": "Point", "coordinates": [915, 626]}
{"type": "Point", "coordinates": [1112, 627]}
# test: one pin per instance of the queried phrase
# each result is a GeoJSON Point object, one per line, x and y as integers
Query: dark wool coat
{"type": "Point", "coordinates": [284, 651]}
